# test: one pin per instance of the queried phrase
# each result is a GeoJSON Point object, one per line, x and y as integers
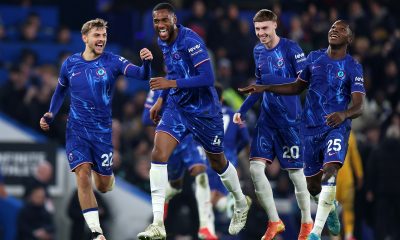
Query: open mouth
{"type": "Point", "coordinates": [99, 46]}
{"type": "Point", "coordinates": [334, 36]}
{"type": "Point", "coordinates": [162, 33]}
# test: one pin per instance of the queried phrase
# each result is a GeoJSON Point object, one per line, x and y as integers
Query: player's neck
{"type": "Point", "coordinates": [273, 43]}
{"type": "Point", "coordinates": [174, 35]}
{"type": "Point", "coordinates": [336, 52]}
{"type": "Point", "coordinates": [89, 55]}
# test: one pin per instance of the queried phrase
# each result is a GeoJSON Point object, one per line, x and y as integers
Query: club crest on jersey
{"type": "Point", "coordinates": [176, 56]}
{"type": "Point", "coordinates": [341, 74]}
{"type": "Point", "coordinates": [100, 72]}
{"type": "Point", "coordinates": [70, 157]}
{"type": "Point", "coordinates": [280, 62]}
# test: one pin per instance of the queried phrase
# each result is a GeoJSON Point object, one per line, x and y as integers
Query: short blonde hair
{"type": "Point", "coordinates": [95, 23]}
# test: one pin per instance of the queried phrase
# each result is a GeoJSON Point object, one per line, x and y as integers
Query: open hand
{"type": "Point", "coordinates": [156, 110]}
{"type": "Point", "coordinates": [335, 119]}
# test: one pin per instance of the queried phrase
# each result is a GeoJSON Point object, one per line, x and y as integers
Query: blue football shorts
{"type": "Point", "coordinates": [283, 143]}
{"type": "Point", "coordinates": [93, 148]}
{"type": "Point", "coordinates": [326, 147]}
{"type": "Point", "coordinates": [207, 131]}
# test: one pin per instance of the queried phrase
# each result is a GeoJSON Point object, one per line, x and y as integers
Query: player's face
{"type": "Point", "coordinates": [265, 31]}
{"type": "Point", "coordinates": [96, 40]}
{"type": "Point", "coordinates": [164, 24]}
{"type": "Point", "coordinates": [339, 34]}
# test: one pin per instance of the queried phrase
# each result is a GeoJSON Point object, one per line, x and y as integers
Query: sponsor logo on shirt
{"type": "Point", "coordinates": [192, 49]}
{"type": "Point", "coordinates": [299, 56]}
{"type": "Point", "coordinates": [359, 81]}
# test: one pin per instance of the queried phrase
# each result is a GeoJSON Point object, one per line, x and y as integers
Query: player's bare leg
{"type": "Point", "coordinates": [103, 183]}
{"type": "Point", "coordinates": [87, 199]}
{"type": "Point", "coordinates": [230, 179]}
{"type": "Point", "coordinates": [164, 145]}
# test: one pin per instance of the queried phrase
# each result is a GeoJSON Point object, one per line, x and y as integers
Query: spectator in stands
{"type": "Point", "coordinates": [382, 169]}
{"type": "Point", "coordinates": [12, 95]}
{"type": "Point", "coordinates": [64, 35]}
{"type": "Point", "coordinates": [34, 221]}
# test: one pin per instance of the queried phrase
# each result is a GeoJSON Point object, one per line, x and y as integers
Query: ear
{"type": "Point", "coordinates": [175, 19]}
{"type": "Point", "coordinates": [84, 38]}
{"type": "Point", "coordinates": [349, 39]}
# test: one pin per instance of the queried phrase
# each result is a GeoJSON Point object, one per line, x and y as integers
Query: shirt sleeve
{"type": "Point", "coordinates": [357, 79]}
{"type": "Point", "coordinates": [128, 69]}
{"type": "Point", "coordinates": [296, 57]}
{"type": "Point", "coordinates": [305, 74]}
{"type": "Point", "coordinates": [197, 50]}
{"type": "Point", "coordinates": [63, 77]}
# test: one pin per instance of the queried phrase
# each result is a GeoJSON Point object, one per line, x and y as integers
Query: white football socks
{"type": "Point", "coordinates": [302, 194]}
{"type": "Point", "coordinates": [325, 204]}
{"type": "Point", "coordinates": [203, 197]}
{"type": "Point", "coordinates": [263, 189]}
{"type": "Point", "coordinates": [158, 184]}
{"type": "Point", "coordinates": [92, 219]}
{"type": "Point", "coordinates": [230, 180]}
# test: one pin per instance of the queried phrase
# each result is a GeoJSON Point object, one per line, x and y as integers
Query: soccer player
{"type": "Point", "coordinates": [277, 131]}
{"type": "Point", "coordinates": [192, 106]}
{"type": "Point", "coordinates": [333, 79]}
{"type": "Point", "coordinates": [187, 156]}
{"type": "Point", "coordinates": [90, 78]}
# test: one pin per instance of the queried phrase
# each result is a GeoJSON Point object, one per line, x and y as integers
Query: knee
{"type": "Point", "coordinates": [196, 170]}
{"type": "Point", "coordinates": [159, 155]}
{"type": "Point", "coordinates": [314, 188]}
{"type": "Point", "coordinates": [103, 188]}
{"type": "Point", "coordinates": [217, 162]}
{"type": "Point", "coordinates": [329, 176]}
{"type": "Point", "coordinates": [83, 175]}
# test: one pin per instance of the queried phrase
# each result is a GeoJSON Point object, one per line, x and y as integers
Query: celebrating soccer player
{"type": "Point", "coordinates": [333, 79]}
{"type": "Point", "coordinates": [277, 131]}
{"type": "Point", "coordinates": [191, 106]}
{"type": "Point", "coordinates": [90, 78]}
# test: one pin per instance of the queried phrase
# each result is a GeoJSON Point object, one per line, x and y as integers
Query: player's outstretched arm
{"type": "Point", "coordinates": [293, 88]}
{"type": "Point", "coordinates": [155, 110]}
{"type": "Point", "coordinates": [143, 72]}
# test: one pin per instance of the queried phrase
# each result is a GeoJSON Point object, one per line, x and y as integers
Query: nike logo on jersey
{"type": "Point", "coordinates": [314, 67]}
{"type": "Point", "coordinates": [74, 74]}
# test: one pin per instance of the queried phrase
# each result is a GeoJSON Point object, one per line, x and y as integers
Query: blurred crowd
{"type": "Point", "coordinates": [228, 32]}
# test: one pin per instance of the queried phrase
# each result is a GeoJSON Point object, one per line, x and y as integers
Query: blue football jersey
{"type": "Point", "coordinates": [236, 136]}
{"type": "Point", "coordinates": [331, 83]}
{"type": "Point", "coordinates": [181, 59]}
{"type": "Point", "coordinates": [91, 86]}
{"type": "Point", "coordinates": [286, 60]}
{"type": "Point", "coordinates": [151, 99]}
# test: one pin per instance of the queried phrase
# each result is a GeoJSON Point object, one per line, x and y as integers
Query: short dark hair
{"type": "Point", "coordinates": [164, 5]}
{"type": "Point", "coordinates": [265, 15]}
{"type": "Point", "coordinates": [351, 34]}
